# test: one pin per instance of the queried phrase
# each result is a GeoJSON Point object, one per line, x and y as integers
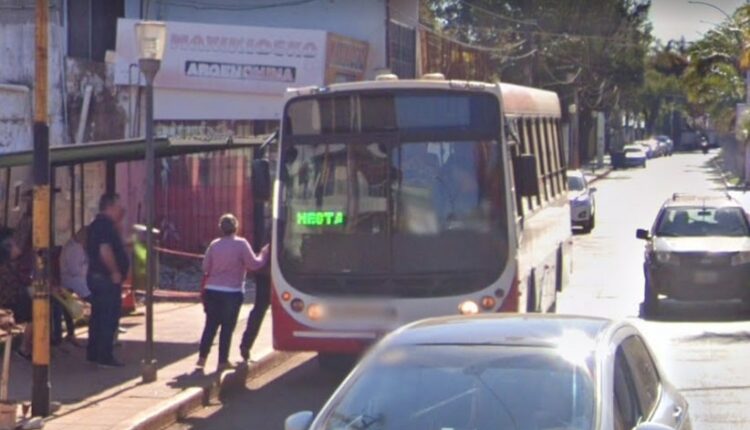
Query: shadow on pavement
{"type": "Point", "coordinates": [74, 379]}
{"type": "Point", "coordinates": [266, 402]}
{"type": "Point", "coordinates": [720, 311]}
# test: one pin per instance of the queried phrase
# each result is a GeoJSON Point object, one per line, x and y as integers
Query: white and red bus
{"type": "Point", "coordinates": [397, 200]}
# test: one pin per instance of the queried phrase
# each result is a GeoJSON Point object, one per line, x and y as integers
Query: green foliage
{"type": "Point", "coordinates": [597, 46]}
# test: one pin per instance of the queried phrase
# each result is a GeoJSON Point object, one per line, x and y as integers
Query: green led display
{"type": "Point", "coordinates": [321, 218]}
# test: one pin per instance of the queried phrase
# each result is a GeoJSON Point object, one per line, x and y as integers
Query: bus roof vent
{"type": "Point", "coordinates": [386, 77]}
{"type": "Point", "coordinates": [433, 77]}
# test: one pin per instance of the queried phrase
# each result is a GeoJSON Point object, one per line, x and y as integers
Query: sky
{"type": "Point", "coordinates": [672, 19]}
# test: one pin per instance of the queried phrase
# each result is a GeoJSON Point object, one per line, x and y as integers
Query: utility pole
{"type": "Point", "coordinates": [574, 133]}
{"type": "Point", "coordinates": [40, 393]}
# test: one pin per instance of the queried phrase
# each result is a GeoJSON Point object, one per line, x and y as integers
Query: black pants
{"type": "Point", "coordinates": [106, 306]}
{"type": "Point", "coordinates": [260, 307]}
{"type": "Point", "coordinates": [222, 310]}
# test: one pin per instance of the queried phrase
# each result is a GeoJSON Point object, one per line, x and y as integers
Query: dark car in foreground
{"type": "Point", "coordinates": [697, 249]}
{"type": "Point", "coordinates": [515, 372]}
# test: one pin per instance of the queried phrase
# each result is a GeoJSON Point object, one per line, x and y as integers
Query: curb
{"type": "Point", "coordinates": [720, 169]}
{"type": "Point", "coordinates": [596, 176]}
{"type": "Point", "coordinates": [183, 404]}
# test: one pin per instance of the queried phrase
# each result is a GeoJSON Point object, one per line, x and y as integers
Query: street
{"type": "Point", "coordinates": [702, 347]}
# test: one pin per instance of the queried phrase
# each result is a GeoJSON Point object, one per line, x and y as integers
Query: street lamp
{"type": "Point", "coordinates": [151, 37]}
{"type": "Point", "coordinates": [711, 5]}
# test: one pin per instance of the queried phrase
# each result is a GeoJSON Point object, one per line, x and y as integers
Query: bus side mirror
{"type": "Point", "coordinates": [527, 176]}
{"type": "Point", "coordinates": [260, 177]}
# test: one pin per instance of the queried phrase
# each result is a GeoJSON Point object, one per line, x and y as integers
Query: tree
{"type": "Point", "coordinates": [713, 79]}
{"type": "Point", "coordinates": [594, 47]}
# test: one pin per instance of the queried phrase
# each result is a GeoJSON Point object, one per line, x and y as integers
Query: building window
{"type": "Point", "coordinates": [92, 27]}
{"type": "Point", "coordinates": [402, 50]}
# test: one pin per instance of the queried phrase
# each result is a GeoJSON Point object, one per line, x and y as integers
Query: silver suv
{"type": "Point", "coordinates": [697, 249]}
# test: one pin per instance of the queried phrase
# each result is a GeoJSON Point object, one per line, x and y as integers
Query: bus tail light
{"type": "Point", "coordinates": [488, 302]}
{"type": "Point", "coordinates": [297, 305]}
{"type": "Point", "coordinates": [286, 296]}
{"type": "Point", "coordinates": [468, 308]}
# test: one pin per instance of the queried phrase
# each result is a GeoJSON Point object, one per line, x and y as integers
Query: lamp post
{"type": "Point", "coordinates": [151, 37]}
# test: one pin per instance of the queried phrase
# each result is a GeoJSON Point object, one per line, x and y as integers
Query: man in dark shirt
{"type": "Point", "coordinates": [108, 267]}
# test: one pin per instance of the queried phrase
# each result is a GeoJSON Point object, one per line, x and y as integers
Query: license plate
{"type": "Point", "coordinates": [363, 312]}
{"type": "Point", "coordinates": [705, 277]}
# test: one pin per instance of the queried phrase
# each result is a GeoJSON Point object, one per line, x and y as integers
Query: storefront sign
{"type": "Point", "coordinates": [228, 58]}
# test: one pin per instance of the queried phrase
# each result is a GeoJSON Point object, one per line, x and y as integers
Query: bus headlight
{"type": "Point", "coordinates": [468, 308]}
{"type": "Point", "coordinates": [315, 312]}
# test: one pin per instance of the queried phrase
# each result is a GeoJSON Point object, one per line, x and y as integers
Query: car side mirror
{"type": "Point", "coordinates": [653, 426]}
{"type": "Point", "coordinates": [526, 175]}
{"type": "Point", "coordinates": [592, 189]}
{"type": "Point", "coordinates": [642, 234]}
{"type": "Point", "coordinates": [299, 421]}
{"type": "Point", "coordinates": [260, 177]}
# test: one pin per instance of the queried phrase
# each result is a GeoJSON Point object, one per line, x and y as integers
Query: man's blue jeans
{"type": "Point", "coordinates": [106, 304]}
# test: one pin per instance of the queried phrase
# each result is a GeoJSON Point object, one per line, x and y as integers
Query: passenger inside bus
{"type": "Point", "coordinates": [457, 191]}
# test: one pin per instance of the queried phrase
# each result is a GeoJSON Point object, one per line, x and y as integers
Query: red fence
{"type": "Point", "coordinates": [195, 190]}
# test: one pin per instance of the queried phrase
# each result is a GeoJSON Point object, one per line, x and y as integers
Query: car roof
{"type": "Point", "coordinates": [701, 200]}
{"type": "Point", "coordinates": [499, 329]}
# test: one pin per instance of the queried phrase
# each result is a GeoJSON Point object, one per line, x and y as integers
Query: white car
{"type": "Point", "coordinates": [582, 202]}
{"type": "Point", "coordinates": [635, 155]}
{"type": "Point", "coordinates": [518, 372]}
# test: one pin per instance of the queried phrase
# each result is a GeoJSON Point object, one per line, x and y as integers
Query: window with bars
{"type": "Point", "coordinates": [402, 50]}
{"type": "Point", "coordinates": [539, 137]}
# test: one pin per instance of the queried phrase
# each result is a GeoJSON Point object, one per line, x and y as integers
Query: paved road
{"type": "Point", "coordinates": [706, 358]}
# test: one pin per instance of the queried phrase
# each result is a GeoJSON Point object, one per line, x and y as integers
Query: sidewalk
{"type": "Point", "coordinates": [93, 398]}
{"type": "Point", "coordinates": [593, 172]}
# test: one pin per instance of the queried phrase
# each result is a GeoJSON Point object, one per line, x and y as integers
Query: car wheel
{"type": "Point", "coordinates": [532, 302]}
{"type": "Point", "coordinates": [592, 222]}
{"type": "Point", "coordinates": [650, 301]}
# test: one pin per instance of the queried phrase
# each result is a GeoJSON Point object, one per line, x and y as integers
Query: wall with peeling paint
{"type": "Point", "coordinates": [17, 52]}
{"type": "Point", "coordinates": [108, 110]}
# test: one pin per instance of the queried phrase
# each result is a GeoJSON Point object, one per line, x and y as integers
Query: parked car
{"type": "Point", "coordinates": [582, 202]}
{"type": "Point", "coordinates": [657, 150]}
{"type": "Point", "coordinates": [634, 156]}
{"type": "Point", "coordinates": [666, 144]}
{"type": "Point", "coordinates": [697, 249]}
{"type": "Point", "coordinates": [646, 148]}
{"type": "Point", "coordinates": [505, 372]}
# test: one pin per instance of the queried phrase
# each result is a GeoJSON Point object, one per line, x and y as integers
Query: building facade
{"type": "Point", "coordinates": [225, 70]}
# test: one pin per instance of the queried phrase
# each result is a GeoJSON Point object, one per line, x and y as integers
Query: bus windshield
{"type": "Point", "coordinates": [392, 215]}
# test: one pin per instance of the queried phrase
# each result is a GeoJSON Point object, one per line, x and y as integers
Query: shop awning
{"type": "Point", "coordinates": [128, 150]}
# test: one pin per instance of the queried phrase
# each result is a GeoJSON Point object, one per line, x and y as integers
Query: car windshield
{"type": "Point", "coordinates": [703, 221]}
{"type": "Point", "coordinates": [576, 183]}
{"type": "Point", "coordinates": [437, 387]}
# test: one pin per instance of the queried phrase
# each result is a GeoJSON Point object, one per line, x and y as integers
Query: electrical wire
{"type": "Point", "coordinates": [497, 15]}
